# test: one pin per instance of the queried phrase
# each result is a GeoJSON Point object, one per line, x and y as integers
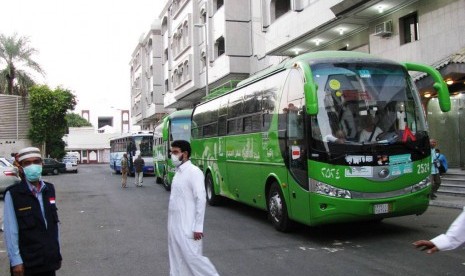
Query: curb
{"type": "Point", "coordinates": [446, 204]}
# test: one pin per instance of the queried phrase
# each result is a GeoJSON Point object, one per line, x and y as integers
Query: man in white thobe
{"type": "Point", "coordinates": [454, 237]}
{"type": "Point", "coordinates": [186, 213]}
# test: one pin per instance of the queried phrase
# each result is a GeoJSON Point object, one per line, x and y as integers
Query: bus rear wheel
{"type": "Point", "coordinates": [277, 209]}
{"type": "Point", "coordinates": [212, 198]}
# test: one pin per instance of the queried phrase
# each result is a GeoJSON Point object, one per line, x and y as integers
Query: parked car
{"type": "Point", "coordinates": [53, 166]}
{"type": "Point", "coordinates": [71, 163]}
{"type": "Point", "coordinates": [8, 174]}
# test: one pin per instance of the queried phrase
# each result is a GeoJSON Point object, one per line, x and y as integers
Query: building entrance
{"type": "Point", "coordinates": [449, 129]}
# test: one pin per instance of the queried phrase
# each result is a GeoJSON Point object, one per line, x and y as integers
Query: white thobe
{"type": "Point", "coordinates": [454, 237]}
{"type": "Point", "coordinates": [186, 213]}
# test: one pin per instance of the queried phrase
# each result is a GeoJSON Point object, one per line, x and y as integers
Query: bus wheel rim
{"type": "Point", "coordinates": [276, 207]}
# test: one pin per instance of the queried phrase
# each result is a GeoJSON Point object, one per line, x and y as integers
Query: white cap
{"type": "Point", "coordinates": [29, 152]}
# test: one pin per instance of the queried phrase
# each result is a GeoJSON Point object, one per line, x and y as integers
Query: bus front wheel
{"type": "Point", "coordinates": [212, 198]}
{"type": "Point", "coordinates": [277, 209]}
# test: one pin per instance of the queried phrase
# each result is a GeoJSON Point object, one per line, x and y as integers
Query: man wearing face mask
{"type": "Point", "coordinates": [31, 220]}
{"type": "Point", "coordinates": [186, 212]}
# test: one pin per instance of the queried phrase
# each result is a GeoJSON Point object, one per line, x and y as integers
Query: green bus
{"type": "Point", "coordinates": [175, 126]}
{"type": "Point", "coordinates": [322, 138]}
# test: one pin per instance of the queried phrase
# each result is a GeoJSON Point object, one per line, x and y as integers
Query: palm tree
{"type": "Point", "coordinates": [16, 53]}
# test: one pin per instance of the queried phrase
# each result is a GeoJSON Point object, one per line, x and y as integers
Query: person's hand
{"type": "Point", "coordinates": [18, 270]}
{"type": "Point", "coordinates": [426, 245]}
{"type": "Point", "coordinates": [198, 236]}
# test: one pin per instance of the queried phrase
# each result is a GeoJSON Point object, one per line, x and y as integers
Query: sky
{"type": "Point", "coordinates": [83, 45]}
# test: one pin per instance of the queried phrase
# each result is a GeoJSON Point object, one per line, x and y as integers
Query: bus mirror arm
{"type": "Point", "coordinates": [439, 84]}
{"type": "Point", "coordinates": [310, 89]}
{"type": "Point", "coordinates": [311, 100]}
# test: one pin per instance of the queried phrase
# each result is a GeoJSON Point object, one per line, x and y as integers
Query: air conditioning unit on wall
{"type": "Point", "coordinates": [384, 29]}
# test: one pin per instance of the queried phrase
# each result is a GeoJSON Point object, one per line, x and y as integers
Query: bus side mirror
{"type": "Point", "coordinates": [439, 84]}
{"type": "Point", "coordinates": [311, 99]}
{"type": "Point", "coordinates": [310, 88]}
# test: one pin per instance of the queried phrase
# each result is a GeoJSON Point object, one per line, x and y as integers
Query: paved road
{"type": "Point", "coordinates": [106, 230]}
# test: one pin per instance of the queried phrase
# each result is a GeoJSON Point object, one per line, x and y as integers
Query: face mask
{"type": "Point", "coordinates": [177, 160]}
{"type": "Point", "coordinates": [33, 172]}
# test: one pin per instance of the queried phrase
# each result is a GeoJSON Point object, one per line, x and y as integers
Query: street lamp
{"type": "Point", "coordinates": [206, 54]}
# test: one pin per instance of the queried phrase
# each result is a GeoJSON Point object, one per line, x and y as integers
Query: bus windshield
{"type": "Point", "coordinates": [144, 145]}
{"type": "Point", "coordinates": [181, 129]}
{"type": "Point", "coordinates": [365, 103]}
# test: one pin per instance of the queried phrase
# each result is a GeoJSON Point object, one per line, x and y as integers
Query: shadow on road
{"type": "Point", "coordinates": [328, 232]}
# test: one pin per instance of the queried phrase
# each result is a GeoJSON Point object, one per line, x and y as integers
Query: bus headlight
{"type": "Point", "coordinates": [328, 190]}
{"type": "Point", "coordinates": [421, 185]}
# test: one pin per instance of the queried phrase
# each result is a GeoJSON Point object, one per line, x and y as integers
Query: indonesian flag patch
{"type": "Point", "coordinates": [52, 200]}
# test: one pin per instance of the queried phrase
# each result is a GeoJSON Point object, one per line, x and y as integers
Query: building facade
{"type": "Point", "coordinates": [203, 42]}
{"type": "Point", "coordinates": [90, 145]}
{"type": "Point", "coordinates": [246, 36]}
{"type": "Point", "coordinates": [14, 125]}
{"type": "Point", "coordinates": [146, 81]}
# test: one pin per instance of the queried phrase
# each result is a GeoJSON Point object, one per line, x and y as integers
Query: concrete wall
{"type": "Point", "coordinates": [441, 32]}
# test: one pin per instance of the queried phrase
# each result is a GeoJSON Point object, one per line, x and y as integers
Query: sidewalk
{"type": "Point", "coordinates": [456, 202]}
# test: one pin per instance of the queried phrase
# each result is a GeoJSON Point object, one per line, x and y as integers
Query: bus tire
{"type": "Point", "coordinates": [277, 209]}
{"type": "Point", "coordinates": [212, 198]}
{"type": "Point", "coordinates": [166, 182]}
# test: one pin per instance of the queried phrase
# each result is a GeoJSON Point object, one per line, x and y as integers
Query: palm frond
{"type": "Point", "coordinates": [16, 52]}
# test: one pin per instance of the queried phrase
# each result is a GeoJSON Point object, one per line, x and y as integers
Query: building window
{"type": "Point", "coordinates": [219, 4]}
{"type": "Point", "coordinates": [220, 46]}
{"type": "Point", "coordinates": [179, 39]}
{"type": "Point", "coordinates": [408, 28]}
{"type": "Point", "coordinates": [173, 46]}
{"type": "Point", "coordinates": [175, 5]}
{"type": "Point", "coordinates": [164, 25]}
{"type": "Point", "coordinates": [185, 37]}
{"type": "Point", "coordinates": [203, 59]}
{"type": "Point", "coordinates": [279, 8]}
{"type": "Point", "coordinates": [203, 16]}
{"type": "Point", "coordinates": [166, 86]}
{"type": "Point", "coordinates": [165, 55]}
{"type": "Point", "coordinates": [216, 5]}
{"type": "Point", "coordinates": [175, 78]}
{"type": "Point", "coordinates": [186, 70]}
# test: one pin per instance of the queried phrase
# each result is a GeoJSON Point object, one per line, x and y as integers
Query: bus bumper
{"type": "Point", "coordinates": [149, 171]}
{"type": "Point", "coordinates": [326, 209]}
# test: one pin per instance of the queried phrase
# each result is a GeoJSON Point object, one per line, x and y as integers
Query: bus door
{"type": "Point", "coordinates": [296, 147]}
{"type": "Point", "coordinates": [297, 159]}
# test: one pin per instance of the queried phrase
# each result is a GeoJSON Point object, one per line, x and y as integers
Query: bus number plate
{"type": "Point", "coordinates": [381, 208]}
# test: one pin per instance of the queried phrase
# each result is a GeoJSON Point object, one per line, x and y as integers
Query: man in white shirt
{"type": "Point", "coordinates": [370, 131]}
{"type": "Point", "coordinates": [454, 237]}
{"type": "Point", "coordinates": [186, 212]}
